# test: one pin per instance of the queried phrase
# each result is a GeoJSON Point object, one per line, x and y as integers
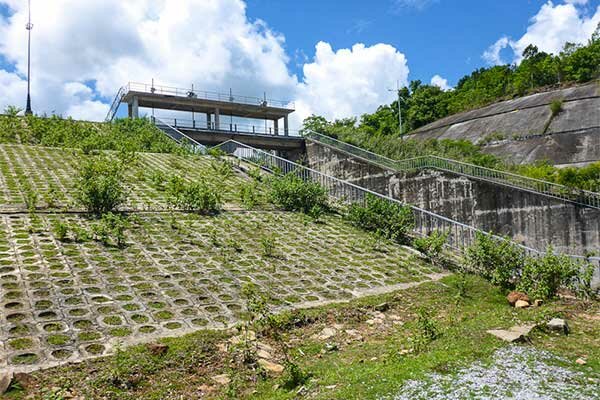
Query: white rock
{"type": "Point", "coordinates": [5, 380]}
{"type": "Point", "coordinates": [222, 379]}
{"type": "Point", "coordinates": [558, 324]}
{"type": "Point", "coordinates": [513, 334]}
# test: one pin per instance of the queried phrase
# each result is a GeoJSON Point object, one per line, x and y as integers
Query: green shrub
{"type": "Point", "coordinates": [249, 195]}
{"type": "Point", "coordinates": [268, 245]}
{"type": "Point", "coordinates": [556, 106]}
{"type": "Point", "coordinates": [499, 261]}
{"type": "Point", "coordinates": [61, 230]}
{"type": "Point", "coordinates": [543, 276]}
{"type": "Point", "coordinates": [111, 227]}
{"type": "Point", "coordinates": [99, 185]}
{"type": "Point", "coordinates": [196, 196]}
{"type": "Point", "coordinates": [292, 193]}
{"type": "Point", "coordinates": [386, 218]}
{"type": "Point", "coordinates": [432, 245]}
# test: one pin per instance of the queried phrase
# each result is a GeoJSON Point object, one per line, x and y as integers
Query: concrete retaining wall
{"type": "Point", "coordinates": [534, 220]}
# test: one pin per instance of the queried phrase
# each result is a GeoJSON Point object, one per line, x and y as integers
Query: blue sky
{"type": "Point", "coordinates": [440, 37]}
{"type": "Point", "coordinates": [333, 58]}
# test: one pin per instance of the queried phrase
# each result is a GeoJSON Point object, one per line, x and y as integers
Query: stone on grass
{"type": "Point", "coordinates": [271, 366]}
{"type": "Point", "coordinates": [516, 333]}
{"type": "Point", "coordinates": [581, 361]}
{"type": "Point", "coordinates": [222, 379]}
{"type": "Point", "coordinates": [515, 296]}
{"type": "Point", "coordinates": [5, 380]}
{"type": "Point", "coordinates": [326, 333]}
{"type": "Point", "coordinates": [559, 325]}
{"type": "Point", "coordinates": [27, 381]}
{"type": "Point", "coordinates": [538, 302]}
{"type": "Point", "coordinates": [521, 304]}
{"type": "Point", "coordinates": [263, 354]}
{"type": "Point", "coordinates": [382, 307]}
{"type": "Point", "coordinates": [157, 349]}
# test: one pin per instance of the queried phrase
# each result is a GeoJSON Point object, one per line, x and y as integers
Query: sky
{"type": "Point", "coordinates": [330, 57]}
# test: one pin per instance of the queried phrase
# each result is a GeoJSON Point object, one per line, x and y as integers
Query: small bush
{"type": "Point", "coordinates": [386, 218]}
{"type": "Point", "coordinates": [268, 245]}
{"type": "Point", "coordinates": [432, 245]}
{"type": "Point", "coordinates": [61, 230]}
{"type": "Point", "coordinates": [99, 185]}
{"type": "Point", "coordinates": [249, 195]}
{"type": "Point", "coordinates": [543, 276]}
{"type": "Point", "coordinates": [111, 227]}
{"type": "Point", "coordinates": [499, 261]}
{"type": "Point", "coordinates": [294, 375]}
{"type": "Point", "coordinates": [292, 193]}
{"type": "Point", "coordinates": [196, 196]}
{"type": "Point", "coordinates": [556, 106]}
{"type": "Point", "coordinates": [427, 330]}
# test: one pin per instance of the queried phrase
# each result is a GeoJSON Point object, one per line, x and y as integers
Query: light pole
{"type": "Point", "coordinates": [29, 27]}
{"type": "Point", "coordinates": [399, 109]}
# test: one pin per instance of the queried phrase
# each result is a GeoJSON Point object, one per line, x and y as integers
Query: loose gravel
{"type": "Point", "coordinates": [515, 372]}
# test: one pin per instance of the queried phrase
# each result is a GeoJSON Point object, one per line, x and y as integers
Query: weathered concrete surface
{"type": "Point", "coordinates": [534, 220]}
{"type": "Point", "coordinates": [531, 116]}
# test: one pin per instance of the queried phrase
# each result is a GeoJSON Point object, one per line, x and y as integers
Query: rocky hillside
{"type": "Point", "coordinates": [562, 126]}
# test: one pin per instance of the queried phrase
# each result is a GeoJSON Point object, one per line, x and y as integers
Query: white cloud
{"type": "Point", "coordinates": [83, 51]}
{"type": "Point", "coordinates": [552, 27]}
{"type": "Point", "coordinates": [107, 43]}
{"type": "Point", "coordinates": [350, 82]}
{"type": "Point", "coordinates": [398, 5]}
{"type": "Point", "coordinates": [440, 82]}
{"type": "Point", "coordinates": [492, 54]}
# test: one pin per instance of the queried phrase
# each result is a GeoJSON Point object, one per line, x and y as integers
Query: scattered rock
{"type": "Point", "coordinates": [263, 354]}
{"type": "Point", "coordinates": [222, 379]}
{"type": "Point", "coordinates": [382, 307]}
{"type": "Point", "coordinates": [264, 346]}
{"type": "Point", "coordinates": [271, 366]}
{"type": "Point", "coordinates": [538, 302]}
{"type": "Point", "coordinates": [521, 304]}
{"type": "Point", "coordinates": [331, 347]}
{"type": "Point", "coordinates": [515, 296]}
{"type": "Point", "coordinates": [326, 333]}
{"type": "Point", "coordinates": [27, 381]}
{"type": "Point", "coordinates": [581, 361]}
{"type": "Point", "coordinates": [157, 349]}
{"type": "Point", "coordinates": [513, 334]}
{"type": "Point", "coordinates": [354, 334]}
{"type": "Point", "coordinates": [559, 325]}
{"type": "Point", "coordinates": [5, 380]}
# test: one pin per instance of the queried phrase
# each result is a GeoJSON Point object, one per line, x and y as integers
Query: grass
{"type": "Point", "coordinates": [340, 367]}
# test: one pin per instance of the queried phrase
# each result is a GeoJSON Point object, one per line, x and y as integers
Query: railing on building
{"type": "Point", "coordinates": [549, 189]}
{"type": "Point", "coordinates": [460, 236]}
{"type": "Point", "coordinates": [203, 125]}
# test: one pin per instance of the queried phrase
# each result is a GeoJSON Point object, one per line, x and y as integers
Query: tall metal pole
{"type": "Point", "coordinates": [29, 27]}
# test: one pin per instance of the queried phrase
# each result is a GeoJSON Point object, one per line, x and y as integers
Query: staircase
{"type": "Point", "coordinates": [581, 197]}
{"type": "Point", "coordinates": [179, 136]}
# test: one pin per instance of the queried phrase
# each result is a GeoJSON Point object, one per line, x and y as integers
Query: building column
{"type": "Point", "coordinates": [133, 108]}
{"type": "Point", "coordinates": [276, 126]}
{"type": "Point", "coordinates": [217, 119]}
{"type": "Point", "coordinates": [208, 120]}
{"type": "Point", "coordinates": [286, 128]}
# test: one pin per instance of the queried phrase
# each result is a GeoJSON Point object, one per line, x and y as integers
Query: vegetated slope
{"type": "Point", "coordinates": [561, 126]}
{"type": "Point", "coordinates": [75, 284]}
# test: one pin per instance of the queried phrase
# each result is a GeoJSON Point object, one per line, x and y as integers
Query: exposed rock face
{"type": "Point", "coordinates": [531, 132]}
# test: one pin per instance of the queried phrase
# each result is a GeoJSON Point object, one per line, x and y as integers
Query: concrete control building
{"type": "Point", "coordinates": [211, 118]}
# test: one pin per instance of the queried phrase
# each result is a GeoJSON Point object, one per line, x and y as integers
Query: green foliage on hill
{"type": "Point", "coordinates": [122, 135]}
{"type": "Point", "coordinates": [422, 104]}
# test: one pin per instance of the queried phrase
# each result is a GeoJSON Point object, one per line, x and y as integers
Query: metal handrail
{"type": "Point", "coordinates": [554, 190]}
{"type": "Point", "coordinates": [178, 136]}
{"type": "Point", "coordinates": [208, 95]}
{"type": "Point", "coordinates": [460, 236]}
{"type": "Point", "coordinates": [256, 129]}
{"type": "Point", "coordinates": [115, 104]}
